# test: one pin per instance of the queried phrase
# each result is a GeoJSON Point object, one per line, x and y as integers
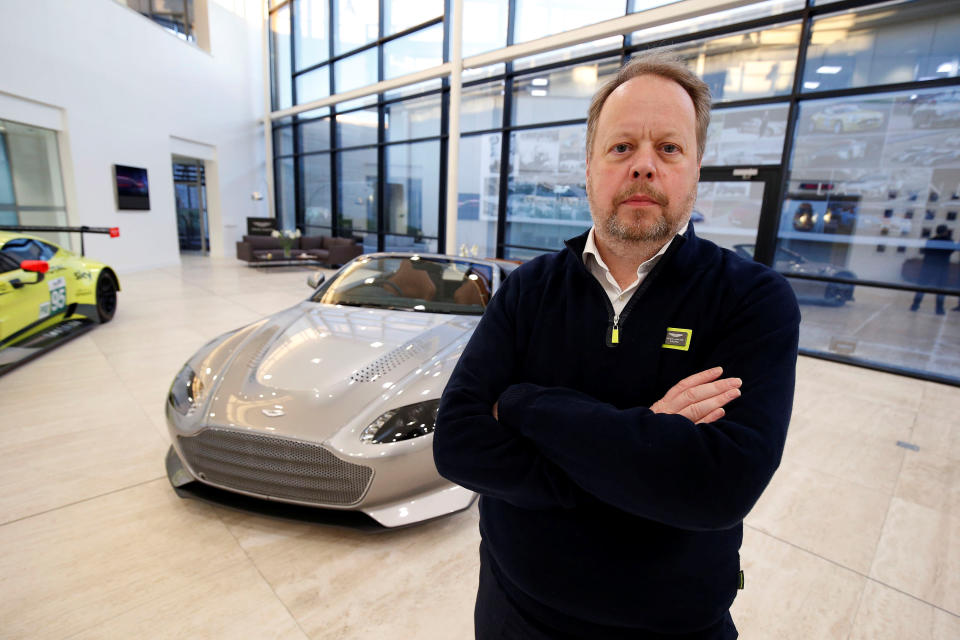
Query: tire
{"type": "Point", "coordinates": [106, 296]}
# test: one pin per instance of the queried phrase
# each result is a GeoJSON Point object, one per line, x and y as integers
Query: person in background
{"type": "Point", "coordinates": [936, 266]}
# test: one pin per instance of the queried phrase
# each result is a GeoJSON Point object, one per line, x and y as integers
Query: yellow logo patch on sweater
{"type": "Point", "coordinates": [678, 339]}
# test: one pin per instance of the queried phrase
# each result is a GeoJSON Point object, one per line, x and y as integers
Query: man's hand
{"type": "Point", "coordinates": [701, 397]}
{"type": "Point", "coordinates": [495, 416]}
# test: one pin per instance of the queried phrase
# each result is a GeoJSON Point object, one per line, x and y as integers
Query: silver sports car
{"type": "Point", "coordinates": [332, 402]}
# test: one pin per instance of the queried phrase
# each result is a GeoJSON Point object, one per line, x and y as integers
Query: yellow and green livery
{"type": "Point", "coordinates": [43, 285]}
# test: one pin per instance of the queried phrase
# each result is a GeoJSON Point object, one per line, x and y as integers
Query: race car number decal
{"type": "Point", "coordinates": [58, 295]}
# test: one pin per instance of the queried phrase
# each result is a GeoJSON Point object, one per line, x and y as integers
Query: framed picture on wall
{"type": "Point", "coordinates": [133, 190]}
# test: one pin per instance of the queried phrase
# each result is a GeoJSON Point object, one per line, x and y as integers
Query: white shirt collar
{"type": "Point", "coordinates": [590, 249]}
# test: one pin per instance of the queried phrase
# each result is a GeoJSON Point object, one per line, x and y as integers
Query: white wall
{"type": "Point", "coordinates": [128, 92]}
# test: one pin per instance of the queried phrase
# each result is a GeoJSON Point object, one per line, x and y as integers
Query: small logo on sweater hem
{"type": "Point", "coordinates": [678, 339]}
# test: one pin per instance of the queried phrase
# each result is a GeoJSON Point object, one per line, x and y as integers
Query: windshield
{"type": "Point", "coordinates": [416, 283]}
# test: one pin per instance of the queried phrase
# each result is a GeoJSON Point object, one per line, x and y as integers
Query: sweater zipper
{"type": "Point", "coordinates": [618, 319]}
{"type": "Point", "coordinates": [613, 337]}
{"type": "Point", "coordinates": [613, 340]}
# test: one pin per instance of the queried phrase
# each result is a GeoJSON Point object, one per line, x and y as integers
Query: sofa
{"type": "Point", "coordinates": [326, 250]}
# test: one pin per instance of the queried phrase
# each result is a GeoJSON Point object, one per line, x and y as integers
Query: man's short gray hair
{"type": "Point", "coordinates": [665, 65]}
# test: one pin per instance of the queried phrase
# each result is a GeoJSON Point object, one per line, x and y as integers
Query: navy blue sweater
{"type": "Point", "coordinates": [595, 509]}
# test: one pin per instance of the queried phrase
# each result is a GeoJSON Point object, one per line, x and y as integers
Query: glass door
{"type": "Point", "coordinates": [190, 189]}
{"type": "Point", "coordinates": [736, 208]}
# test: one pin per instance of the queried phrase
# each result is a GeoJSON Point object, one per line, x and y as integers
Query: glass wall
{"type": "Point", "coordinates": [351, 169]}
{"type": "Point", "coordinates": [280, 56]}
{"type": "Point", "coordinates": [868, 215]}
{"type": "Point", "coordinates": [892, 44]}
{"type": "Point", "coordinates": [31, 185]}
{"type": "Point", "coordinates": [745, 65]}
{"type": "Point", "coordinates": [478, 195]}
{"type": "Point", "coordinates": [8, 200]}
{"type": "Point", "coordinates": [317, 195]}
{"type": "Point", "coordinates": [412, 196]}
{"type": "Point", "coordinates": [546, 187]}
{"type": "Point", "coordinates": [488, 20]}
{"type": "Point", "coordinates": [855, 112]}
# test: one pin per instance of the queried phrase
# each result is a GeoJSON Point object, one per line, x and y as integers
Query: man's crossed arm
{"type": "Point", "coordinates": [699, 398]}
{"type": "Point", "coordinates": [691, 460]}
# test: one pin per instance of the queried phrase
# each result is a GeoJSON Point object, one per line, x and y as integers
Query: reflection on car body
{"type": "Point", "coordinates": [331, 403]}
{"type": "Point", "coordinates": [789, 262]}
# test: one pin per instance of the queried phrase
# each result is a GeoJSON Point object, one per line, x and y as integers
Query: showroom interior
{"type": "Point", "coordinates": [458, 127]}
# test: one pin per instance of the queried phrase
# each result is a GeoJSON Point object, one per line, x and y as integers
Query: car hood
{"type": "Point", "coordinates": [309, 371]}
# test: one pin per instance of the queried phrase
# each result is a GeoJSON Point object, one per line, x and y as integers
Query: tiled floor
{"type": "Point", "coordinates": [855, 538]}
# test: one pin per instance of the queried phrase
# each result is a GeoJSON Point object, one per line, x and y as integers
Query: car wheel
{"type": "Point", "coordinates": [106, 297]}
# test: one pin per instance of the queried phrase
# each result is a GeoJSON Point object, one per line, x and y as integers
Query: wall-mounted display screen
{"type": "Point", "coordinates": [133, 191]}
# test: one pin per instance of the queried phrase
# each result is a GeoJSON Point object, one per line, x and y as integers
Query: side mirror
{"type": "Point", "coordinates": [38, 267]}
{"type": "Point", "coordinates": [316, 279]}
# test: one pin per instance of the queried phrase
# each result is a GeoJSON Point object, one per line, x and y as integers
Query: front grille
{"type": "Point", "coordinates": [275, 467]}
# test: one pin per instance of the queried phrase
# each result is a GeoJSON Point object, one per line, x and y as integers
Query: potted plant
{"type": "Point", "coordinates": [286, 238]}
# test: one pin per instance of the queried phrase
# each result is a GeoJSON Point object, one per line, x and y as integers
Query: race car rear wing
{"type": "Point", "coordinates": [113, 232]}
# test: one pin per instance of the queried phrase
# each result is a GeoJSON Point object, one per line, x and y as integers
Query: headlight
{"type": "Point", "coordinates": [186, 391]}
{"type": "Point", "coordinates": [403, 423]}
{"type": "Point", "coordinates": [189, 386]}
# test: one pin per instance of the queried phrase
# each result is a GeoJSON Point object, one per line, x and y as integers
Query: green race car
{"type": "Point", "coordinates": [46, 293]}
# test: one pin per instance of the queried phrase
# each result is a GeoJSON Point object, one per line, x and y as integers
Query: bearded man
{"type": "Point", "coordinates": [624, 402]}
